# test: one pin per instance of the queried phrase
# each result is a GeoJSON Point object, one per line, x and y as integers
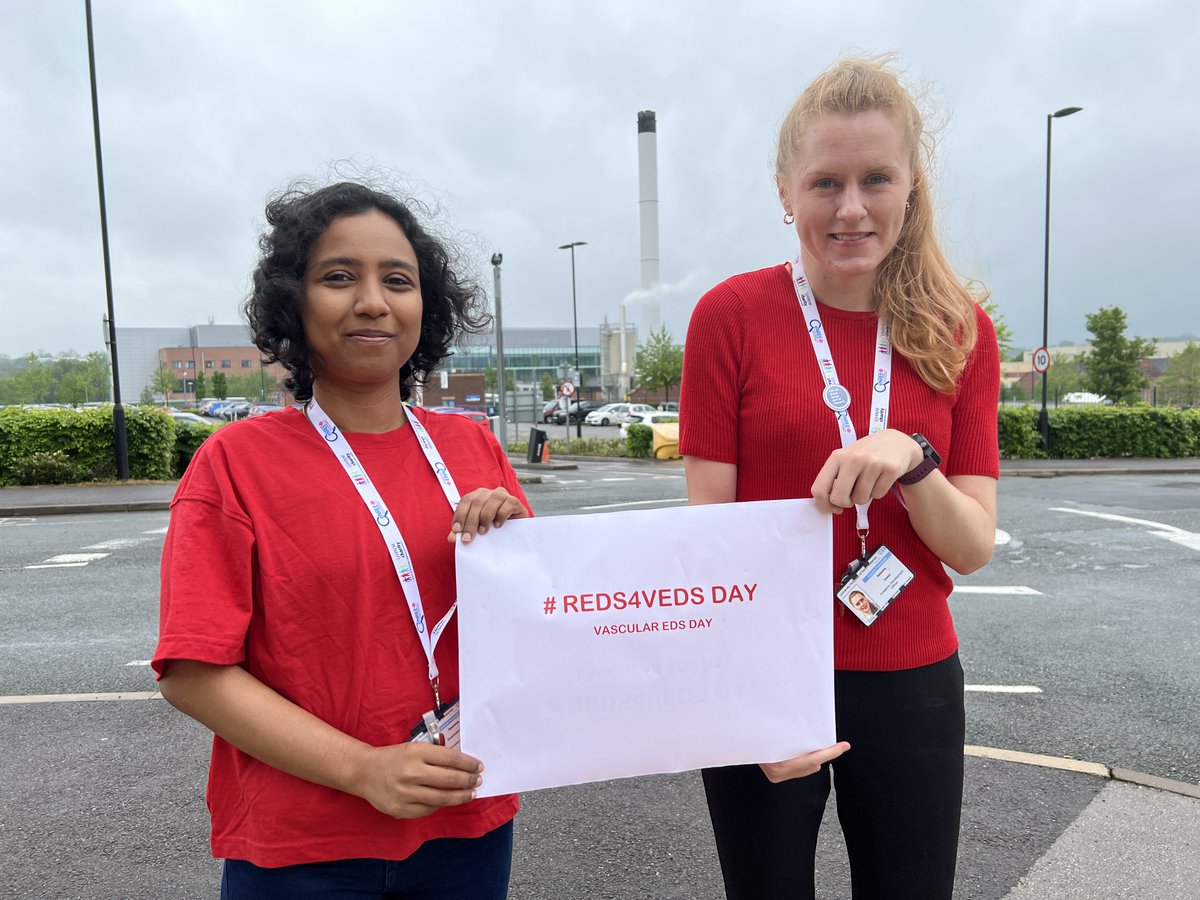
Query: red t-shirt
{"type": "Point", "coordinates": [751, 396]}
{"type": "Point", "coordinates": [272, 562]}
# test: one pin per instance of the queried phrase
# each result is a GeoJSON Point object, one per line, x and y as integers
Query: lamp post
{"type": "Point", "coordinates": [120, 439]}
{"type": "Point", "coordinates": [502, 383]}
{"type": "Point", "coordinates": [1043, 418]}
{"type": "Point", "coordinates": [575, 319]}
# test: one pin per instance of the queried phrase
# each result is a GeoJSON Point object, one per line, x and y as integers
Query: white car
{"type": "Point", "coordinates": [635, 409]}
{"type": "Point", "coordinates": [653, 417]}
{"type": "Point", "coordinates": [609, 414]}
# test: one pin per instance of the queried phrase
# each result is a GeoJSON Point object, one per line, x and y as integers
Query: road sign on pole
{"type": "Point", "coordinates": [567, 389]}
{"type": "Point", "coordinates": [1041, 359]}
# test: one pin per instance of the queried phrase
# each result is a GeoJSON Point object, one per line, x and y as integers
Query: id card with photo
{"type": "Point", "coordinates": [438, 726]}
{"type": "Point", "coordinates": [874, 585]}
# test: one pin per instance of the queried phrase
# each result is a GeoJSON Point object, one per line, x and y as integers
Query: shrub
{"type": "Point", "coordinates": [1019, 435]}
{"type": "Point", "coordinates": [640, 440]}
{"type": "Point", "coordinates": [1119, 431]}
{"type": "Point", "coordinates": [188, 438]}
{"type": "Point", "coordinates": [45, 467]}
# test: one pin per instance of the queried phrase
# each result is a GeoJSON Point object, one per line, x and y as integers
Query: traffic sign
{"type": "Point", "coordinates": [567, 389]}
{"type": "Point", "coordinates": [1041, 359]}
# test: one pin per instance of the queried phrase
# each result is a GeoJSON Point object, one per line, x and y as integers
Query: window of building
{"type": "Point", "coordinates": [246, 363]}
{"type": "Point", "coordinates": [226, 364]}
{"type": "Point", "coordinates": [208, 364]}
{"type": "Point", "coordinates": [191, 364]}
{"type": "Point", "coordinates": [177, 364]}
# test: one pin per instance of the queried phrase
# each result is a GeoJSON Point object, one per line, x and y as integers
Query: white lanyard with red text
{"type": "Point", "coordinates": [397, 549]}
{"type": "Point", "coordinates": [836, 397]}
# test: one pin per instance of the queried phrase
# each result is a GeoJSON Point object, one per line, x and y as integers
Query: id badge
{"type": "Point", "coordinates": [438, 726]}
{"type": "Point", "coordinates": [870, 585]}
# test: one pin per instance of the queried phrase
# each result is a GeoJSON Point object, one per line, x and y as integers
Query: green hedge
{"type": "Point", "coordinates": [640, 439]}
{"type": "Point", "coordinates": [60, 446]}
{"type": "Point", "coordinates": [1101, 432]}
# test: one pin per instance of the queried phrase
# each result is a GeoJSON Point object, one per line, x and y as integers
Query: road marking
{"type": "Point", "coordinates": [1158, 529]}
{"type": "Point", "coordinates": [115, 544]}
{"type": "Point", "coordinates": [616, 479]}
{"type": "Point", "coordinates": [138, 662]}
{"type": "Point", "coordinates": [79, 698]}
{"type": "Point", "coordinates": [156, 531]}
{"type": "Point", "coordinates": [18, 522]}
{"type": "Point", "coordinates": [76, 557]}
{"type": "Point", "coordinates": [633, 503]}
{"type": "Point", "coordinates": [1018, 590]}
{"type": "Point", "coordinates": [1002, 537]}
{"type": "Point", "coordinates": [1004, 688]}
{"type": "Point", "coordinates": [58, 566]}
{"type": "Point", "coordinates": [555, 480]}
{"type": "Point", "coordinates": [1036, 759]}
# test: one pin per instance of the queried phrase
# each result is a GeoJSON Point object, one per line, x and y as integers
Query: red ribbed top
{"type": "Point", "coordinates": [751, 396]}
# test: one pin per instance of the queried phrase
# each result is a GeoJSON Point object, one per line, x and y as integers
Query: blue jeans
{"type": "Point", "coordinates": [442, 869]}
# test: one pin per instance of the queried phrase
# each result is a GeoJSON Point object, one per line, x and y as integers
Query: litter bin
{"type": "Point", "coordinates": [537, 445]}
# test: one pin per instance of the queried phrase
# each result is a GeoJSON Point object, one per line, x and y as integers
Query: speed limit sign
{"type": "Point", "coordinates": [567, 389]}
{"type": "Point", "coordinates": [1041, 359]}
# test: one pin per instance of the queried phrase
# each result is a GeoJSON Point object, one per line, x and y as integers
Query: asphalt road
{"type": "Point", "coordinates": [1094, 643]}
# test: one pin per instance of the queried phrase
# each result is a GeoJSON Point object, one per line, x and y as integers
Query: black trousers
{"type": "Point", "coordinates": [899, 796]}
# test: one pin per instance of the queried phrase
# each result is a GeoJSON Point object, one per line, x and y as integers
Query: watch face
{"type": "Point", "coordinates": [927, 449]}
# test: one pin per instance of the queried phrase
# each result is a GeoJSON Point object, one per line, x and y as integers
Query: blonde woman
{"type": "Point", "coordinates": [863, 375]}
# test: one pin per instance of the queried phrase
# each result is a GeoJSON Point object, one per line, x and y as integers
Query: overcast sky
{"type": "Point", "coordinates": [518, 122]}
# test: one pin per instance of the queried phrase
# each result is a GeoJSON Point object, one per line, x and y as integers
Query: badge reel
{"type": "Point", "coordinates": [438, 726]}
{"type": "Point", "coordinates": [872, 582]}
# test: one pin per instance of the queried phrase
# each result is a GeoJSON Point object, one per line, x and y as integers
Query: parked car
{"type": "Point", "coordinates": [635, 409]}
{"type": "Point", "coordinates": [654, 417]}
{"type": "Point", "coordinates": [473, 414]}
{"type": "Point", "coordinates": [576, 412]}
{"type": "Point", "coordinates": [188, 417]}
{"type": "Point", "coordinates": [609, 414]}
{"type": "Point", "coordinates": [233, 411]}
{"type": "Point", "coordinates": [261, 409]}
{"type": "Point", "coordinates": [669, 406]}
{"type": "Point", "coordinates": [552, 406]}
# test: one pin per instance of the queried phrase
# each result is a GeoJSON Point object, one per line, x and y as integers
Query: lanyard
{"type": "Point", "coordinates": [837, 397]}
{"type": "Point", "coordinates": [397, 549]}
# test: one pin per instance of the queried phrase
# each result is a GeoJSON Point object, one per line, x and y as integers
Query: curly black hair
{"type": "Point", "coordinates": [452, 305]}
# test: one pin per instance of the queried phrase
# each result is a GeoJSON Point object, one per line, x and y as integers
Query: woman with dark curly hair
{"type": "Point", "coordinates": [309, 553]}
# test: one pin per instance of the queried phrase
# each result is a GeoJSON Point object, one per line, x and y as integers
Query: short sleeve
{"type": "Point", "coordinates": [206, 575]}
{"type": "Point", "coordinates": [710, 391]}
{"type": "Point", "coordinates": [974, 426]}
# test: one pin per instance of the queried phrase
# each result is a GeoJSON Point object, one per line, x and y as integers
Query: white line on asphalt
{"type": "Point", "coordinates": [1158, 529]}
{"type": "Point", "coordinates": [79, 698]}
{"type": "Point", "coordinates": [567, 480]}
{"type": "Point", "coordinates": [58, 566]}
{"type": "Point", "coordinates": [156, 531]}
{"type": "Point", "coordinates": [1019, 590]}
{"type": "Point", "coordinates": [633, 503]}
{"type": "Point", "coordinates": [1004, 688]}
{"type": "Point", "coordinates": [616, 479]}
{"type": "Point", "coordinates": [116, 544]}
{"type": "Point", "coordinates": [76, 557]}
{"type": "Point", "coordinates": [138, 662]}
{"type": "Point", "coordinates": [19, 522]}
{"type": "Point", "coordinates": [1002, 537]}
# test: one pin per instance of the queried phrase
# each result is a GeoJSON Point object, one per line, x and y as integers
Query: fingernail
{"type": "Point", "coordinates": [483, 529]}
{"type": "Point", "coordinates": [466, 539]}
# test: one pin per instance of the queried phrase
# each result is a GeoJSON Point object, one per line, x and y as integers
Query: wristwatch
{"type": "Point", "coordinates": [931, 461]}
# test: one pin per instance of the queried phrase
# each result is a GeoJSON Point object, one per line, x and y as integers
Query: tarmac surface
{"type": "Point", "coordinates": [1100, 832]}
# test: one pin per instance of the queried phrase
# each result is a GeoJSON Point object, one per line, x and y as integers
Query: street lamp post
{"type": "Point", "coordinates": [575, 319]}
{"type": "Point", "coordinates": [1043, 418]}
{"type": "Point", "coordinates": [501, 381]}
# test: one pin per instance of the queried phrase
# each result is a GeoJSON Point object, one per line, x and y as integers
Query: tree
{"type": "Point", "coordinates": [220, 386]}
{"type": "Point", "coordinates": [1180, 384]}
{"type": "Point", "coordinates": [547, 386]}
{"type": "Point", "coordinates": [201, 385]}
{"type": "Point", "coordinates": [660, 364]}
{"type": "Point", "coordinates": [1113, 365]}
{"type": "Point", "coordinates": [164, 382]}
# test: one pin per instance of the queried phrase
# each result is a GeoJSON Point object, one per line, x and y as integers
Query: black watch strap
{"type": "Point", "coordinates": [931, 461]}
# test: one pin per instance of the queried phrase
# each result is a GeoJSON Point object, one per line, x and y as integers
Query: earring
{"type": "Point", "coordinates": [788, 218]}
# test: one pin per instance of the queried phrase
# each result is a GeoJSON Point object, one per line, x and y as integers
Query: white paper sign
{"type": "Point", "coordinates": [632, 643]}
